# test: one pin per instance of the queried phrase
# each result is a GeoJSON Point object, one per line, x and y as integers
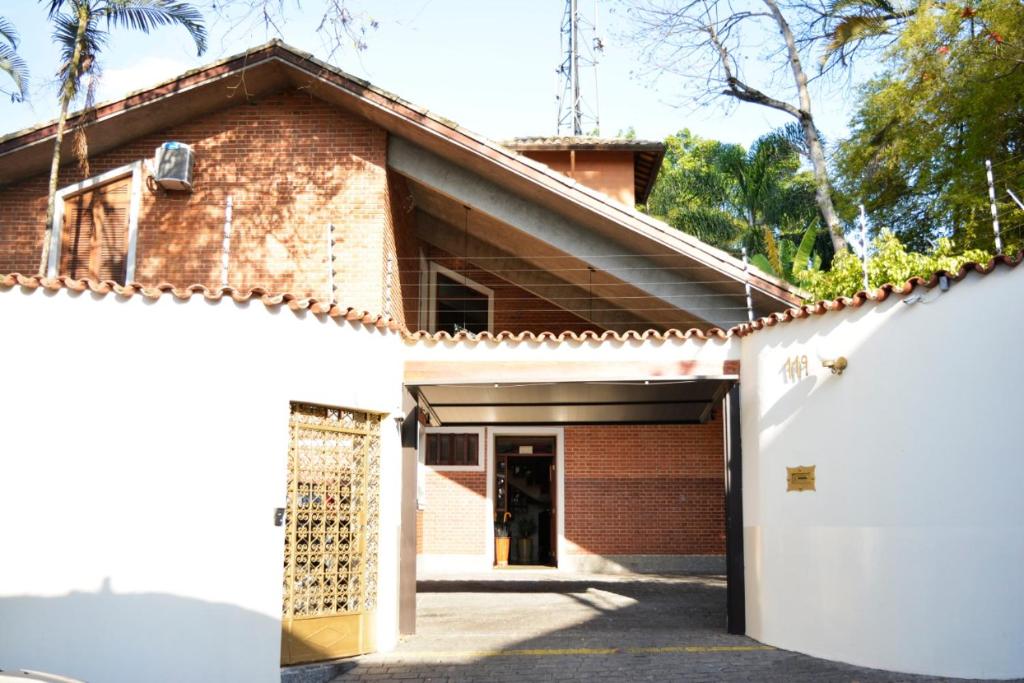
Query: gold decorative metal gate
{"type": "Point", "coordinates": [330, 552]}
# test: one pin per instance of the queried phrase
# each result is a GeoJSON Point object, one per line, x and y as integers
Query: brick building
{"type": "Point", "coordinates": [597, 430]}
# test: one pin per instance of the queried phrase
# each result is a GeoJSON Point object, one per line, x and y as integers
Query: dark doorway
{"type": "Point", "coordinates": [524, 478]}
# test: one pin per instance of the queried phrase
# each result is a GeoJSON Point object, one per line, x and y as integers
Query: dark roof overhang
{"type": "Point", "coordinates": [564, 403]}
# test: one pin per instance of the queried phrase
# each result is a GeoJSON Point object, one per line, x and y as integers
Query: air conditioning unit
{"type": "Point", "coordinates": [172, 166]}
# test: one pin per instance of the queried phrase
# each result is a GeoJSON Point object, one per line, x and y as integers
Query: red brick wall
{"type": "Point", "coordinates": [22, 213]}
{"type": "Point", "coordinates": [645, 489]}
{"type": "Point", "coordinates": [629, 490]}
{"type": "Point", "coordinates": [603, 170]}
{"type": "Point", "coordinates": [402, 288]}
{"type": "Point", "coordinates": [292, 165]}
{"type": "Point", "coordinates": [455, 516]}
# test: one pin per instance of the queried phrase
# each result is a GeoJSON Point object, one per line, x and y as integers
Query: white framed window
{"type": "Point", "coordinates": [95, 226]}
{"type": "Point", "coordinates": [456, 303]}
{"type": "Point", "coordinates": [453, 449]}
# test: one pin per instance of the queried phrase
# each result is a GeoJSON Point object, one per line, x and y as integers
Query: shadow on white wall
{"type": "Point", "coordinates": [107, 637]}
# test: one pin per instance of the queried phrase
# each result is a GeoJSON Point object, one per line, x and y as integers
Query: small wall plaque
{"type": "Point", "coordinates": [800, 478]}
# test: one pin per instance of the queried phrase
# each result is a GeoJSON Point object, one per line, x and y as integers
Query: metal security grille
{"type": "Point", "coordinates": [330, 565]}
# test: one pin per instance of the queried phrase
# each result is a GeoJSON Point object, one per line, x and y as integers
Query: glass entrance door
{"type": "Point", "coordinates": [524, 498]}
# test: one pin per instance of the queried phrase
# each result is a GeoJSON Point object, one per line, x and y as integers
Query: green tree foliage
{"type": "Point", "coordinates": [713, 45]}
{"type": "Point", "coordinates": [731, 198]}
{"type": "Point", "coordinates": [950, 98]}
{"type": "Point", "coordinates": [889, 262]}
{"type": "Point", "coordinates": [853, 27]}
{"type": "Point", "coordinates": [11, 62]}
{"type": "Point", "coordinates": [788, 259]}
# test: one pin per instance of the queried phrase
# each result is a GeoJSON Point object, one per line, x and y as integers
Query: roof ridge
{"type": "Point", "coordinates": [276, 42]}
{"type": "Point", "coordinates": [876, 295]}
{"type": "Point", "coordinates": [269, 298]}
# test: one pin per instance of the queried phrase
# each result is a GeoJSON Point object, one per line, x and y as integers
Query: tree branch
{"type": "Point", "coordinates": [794, 57]}
{"type": "Point", "coordinates": [737, 88]}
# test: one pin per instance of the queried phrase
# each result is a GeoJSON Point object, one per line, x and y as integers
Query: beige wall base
{"type": "Point", "coordinates": [643, 564]}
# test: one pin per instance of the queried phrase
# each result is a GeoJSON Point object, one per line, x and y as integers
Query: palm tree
{"type": "Point", "coordinates": [853, 24]}
{"type": "Point", "coordinates": [81, 28]}
{"type": "Point", "coordinates": [10, 62]}
{"type": "Point", "coordinates": [734, 198]}
{"type": "Point", "coordinates": [692, 192]}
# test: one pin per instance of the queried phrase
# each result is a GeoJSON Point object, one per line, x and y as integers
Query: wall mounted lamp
{"type": "Point", "coordinates": [836, 365]}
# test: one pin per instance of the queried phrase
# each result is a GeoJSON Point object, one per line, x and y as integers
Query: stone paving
{"type": "Point", "coordinates": [531, 625]}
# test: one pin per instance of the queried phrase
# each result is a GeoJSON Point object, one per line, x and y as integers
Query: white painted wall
{"type": "Point", "coordinates": [909, 555]}
{"type": "Point", "coordinates": [143, 450]}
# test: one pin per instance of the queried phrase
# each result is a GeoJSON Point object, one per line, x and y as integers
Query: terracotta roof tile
{"type": "Point", "coordinates": [878, 295]}
{"type": "Point", "coordinates": [607, 335]}
{"type": "Point", "coordinates": [317, 307]}
{"type": "Point", "coordinates": [269, 299]}
{"type": "Point", "coordinates": [741, 330]}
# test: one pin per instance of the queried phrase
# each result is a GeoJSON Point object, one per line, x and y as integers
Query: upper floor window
{"type": "Point", "coordinates": [95, 222]}
{"type": "Point", "coordinates": [457, 303]}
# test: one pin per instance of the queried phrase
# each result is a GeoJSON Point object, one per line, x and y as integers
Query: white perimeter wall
{"type": "Point", "coordinates": [143, 449]}
{"type": "Point", "coordinates": [909, 556]}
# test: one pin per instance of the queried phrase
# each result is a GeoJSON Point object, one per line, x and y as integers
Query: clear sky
{"type": "Point", "coordinates": [488, 64]}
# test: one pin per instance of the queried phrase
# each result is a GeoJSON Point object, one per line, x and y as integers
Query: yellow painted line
{"type": "Point", "coordinates": [555, 652]}
{"type": "Point", "coordinates": [585, 651]}
{"type": "Point", "coordinates": [698, 649]}
{"type": "Point", "coordinates": [552, 652]}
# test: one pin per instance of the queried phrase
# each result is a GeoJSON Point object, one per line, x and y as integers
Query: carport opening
{"type": "Point", "coordinates": [620, 495]}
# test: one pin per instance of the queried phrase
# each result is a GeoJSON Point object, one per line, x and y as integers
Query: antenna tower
{"type": "Point", "coordinates": [581, 47]}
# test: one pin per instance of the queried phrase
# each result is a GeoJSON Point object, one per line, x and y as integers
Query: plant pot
{"type": "Point", "coordinates": [501, 546]}
{"type": "Point", "coordinates": [525, 548]}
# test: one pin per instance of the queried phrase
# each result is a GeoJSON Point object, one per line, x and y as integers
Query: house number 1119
{"type": "Point", "coordinates": [796, 368]}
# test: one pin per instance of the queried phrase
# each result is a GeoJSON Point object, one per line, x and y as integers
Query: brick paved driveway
{"type": "Point", "coordinates": [529, 625]}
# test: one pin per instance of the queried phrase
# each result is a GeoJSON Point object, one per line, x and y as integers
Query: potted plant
{"type": "Point", "coordinates": [527, 527]}
{"type": "Point", "coordinates": [501, 541]}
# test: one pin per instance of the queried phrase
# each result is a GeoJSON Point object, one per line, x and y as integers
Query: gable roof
{"type": "Point", "coordinates": [274, 66]}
